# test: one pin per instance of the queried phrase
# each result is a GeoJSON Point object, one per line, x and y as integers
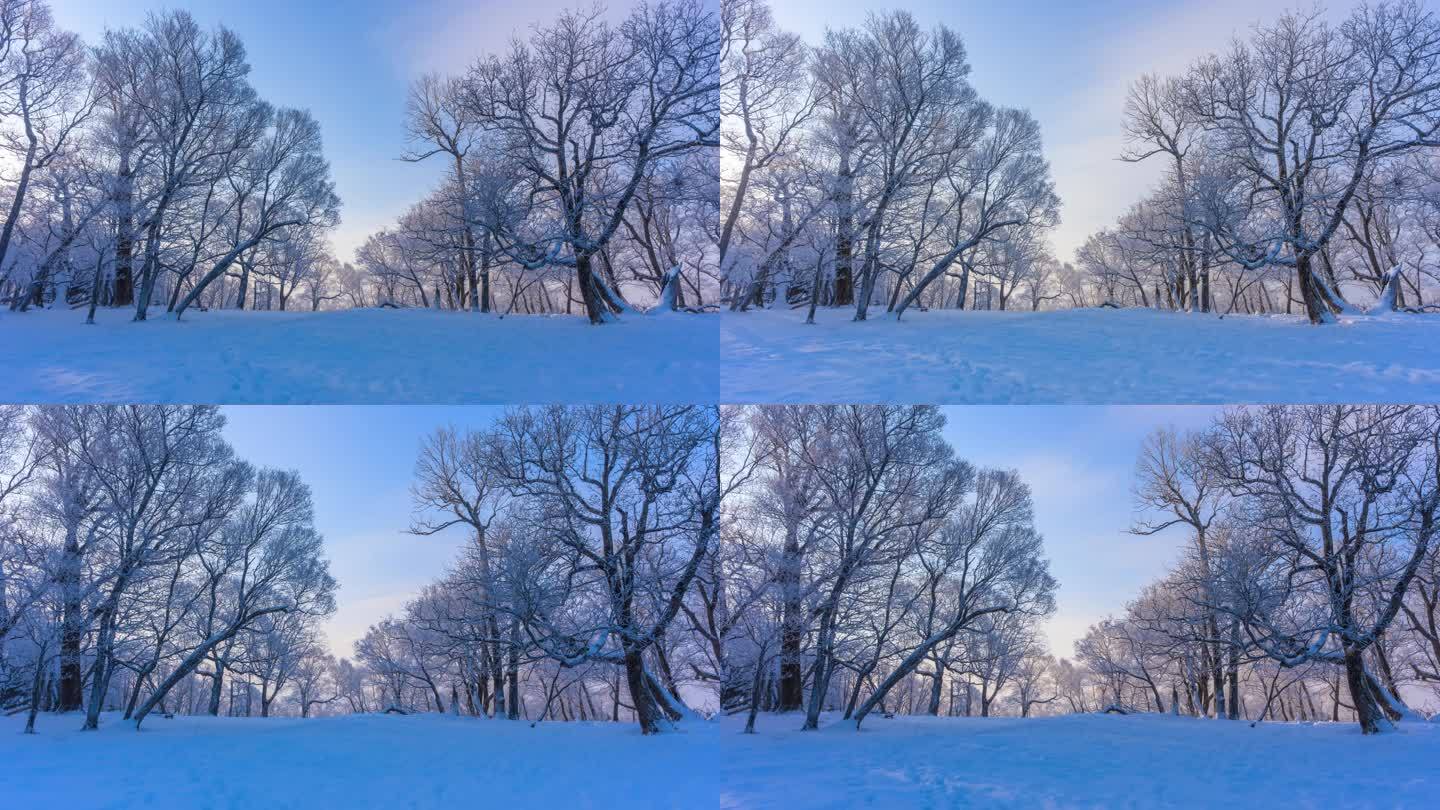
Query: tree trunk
{"type": "Point", "coordinates": [1367, 711]}
{"type": "Point", "coordinates": [755, 682]}
{"type": "Point", "coordinates": [497, 660]}
{"type": "Point", "coordinates": [100, 677]}
{"type": "Point", "coordinates": [139, 684]}
{"type": "Point", "coordinates": [1233, 671]}
{"type": "Point", "coordinates": [936, 682]}
{"type": "Point", "coordinates": [125, 225]}
{"type": "Point", "coordinates": [792, 686]}
{"type": "Point", "coordinates": [647, 713]}
{"type": "Point", "coordinates": [183, 671]}
{"type": "Point", "coordinates": [35, 692]}
{"type": "Point", "coordinates": [845, 225]}
{"type": "Point", "coordinates": [485, 274]}
{"type": "Point", "coordinates": [217, 686]}
{"type": "Point", "coordinates": [595, 308]}
{"type": "Point", "coordinates": [814, 291]}
{"type": "Point", "coordinates": [219, 268]}
{"type": "Point", "coordinates": [1315, 309]}
{"type": "Point", "coordinates": [821, 676]}
{"type": "Point", "coordinates": [72, 685]}
{"type": "Point", "coordinates": [150, 270]}
{"type": "Point", "coordinates": [243, 286]}
{"type": "Point", "coordinates": [732, 216]}
{"type": "Point", "coordinates": [870, 268]}
{"type": "Point", "coordinates": [95, 289]}
{"type": "Point", "coordinates": [512, 708]}
{"type": "Point", "coordinates": [19, 199]}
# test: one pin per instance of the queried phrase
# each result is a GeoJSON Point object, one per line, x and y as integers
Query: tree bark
{"type": "Point", "coordinates": [647, 713]}
{"type": "Point", "coordinates": [72, 686]}
{"type": "Point", "coordinates": [1367, 711]}
{"type": "Point", "coordinates": [792, 686]}
{"type": "Point", "coordinates": [595, 308]}
{"type": "Point", "coordinates": [217, 687]}
{"type": "Point", "coordinates": [1316, 310]}
{"type": "Point", "coordinates": [100, 677]}
{"type": "Point", "coordinates": [845, 225]}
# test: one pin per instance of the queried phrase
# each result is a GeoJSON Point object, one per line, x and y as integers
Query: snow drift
{"type": "Point", "coordinates": [1075, 761]}
{"type": "Point", "coordinates": [1087, 356]}
{"type": "Point", "coordinates": [356, 356]}
{"type": "Point", "coordinates": [355, 762]}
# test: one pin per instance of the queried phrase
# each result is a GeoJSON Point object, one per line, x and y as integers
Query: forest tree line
{"type": "Point", "coordinates": [1307, 588]}
{"type": "Point", "coordinates": [865, 170]}
{"type": "Point", "coordinates": [580, 169]}
{"type": "Point", "coordinates": [867, 568]}
{"type": "Point", "coordinates": [144, 567]}
{"type": "Point", "coordinates": [586, 589]}
{"type": "Point", "coordinates": [147, 172]}
{"type": "Point", "coordinates": [1299, 174]}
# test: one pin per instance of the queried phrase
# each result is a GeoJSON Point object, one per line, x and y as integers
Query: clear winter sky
{"type": "Point", "coordinates": [359, 463]}
{"type": "Point", "coordinates": [1080, 465]}
{"type": "Point", "coordinates": [350, 63]}
{"type": "Point", "coordinates": [1070, 63]}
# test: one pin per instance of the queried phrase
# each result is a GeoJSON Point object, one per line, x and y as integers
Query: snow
{"type": "Point", "coordinates": [355, 762]}
{"type": "Point", "coordinates": [1075, 761]}
{"type": "Point", "coordinates": [1087, 356]}
{"type": "Point", "coordinates": [1386, 304]}
{"type": "Point", "coordinates": [355, 356]}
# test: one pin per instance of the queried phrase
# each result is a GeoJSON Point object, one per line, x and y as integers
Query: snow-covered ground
{"type": "Point", "coordinates": [364, 356]}
{"type": "Point", "coordinates": [354, 762]}
{"type": "Point", "coordinates": [1105, 761]}
{"type": "Point", "coordinates": [1092, 356]}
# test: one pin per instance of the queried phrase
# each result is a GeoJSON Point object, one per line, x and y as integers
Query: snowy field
{"type": "Point", "coordinates": [356, 356]}
{"type": "Point", "coordinates": [1094, 356]}
{"type": "Point", "coordinates": [354, 762]}
{"type": "Point", "coordinates": [1105, 761]}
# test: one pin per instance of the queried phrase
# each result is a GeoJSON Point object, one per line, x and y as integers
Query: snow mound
{"type": "Point", "coordinates": [354, 762]}
{"type": "Point", "coordinates": [356, 356]}
{"type": "Point", "coordinates": [1087, 356]}
{"type": "Point", "coordinates": [1386, 304]}
{"type": "Point", "coordinates": [1091, 760]}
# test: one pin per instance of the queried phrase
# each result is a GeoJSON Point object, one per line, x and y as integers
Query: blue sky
{"type": "Point", "coordinates": [359, 462]}
{"type": "Point", "coordinates": [1070, 63]}
{"type": "Point", "coordinates": [350, 64]}
{"type": "Point", "coordinates": [1080, 465]}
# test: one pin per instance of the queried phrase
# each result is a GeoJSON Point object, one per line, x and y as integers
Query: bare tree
{"type": "Point", "coordinates": [45, 70]}
{"type": "Point", "coordinates": [264, 561]}
{"type": "Point", "coordinates": [282, 182]}
{"type": "Point", "coordinates": [627, 499]}
{"type": "Point", "coordinates": [1345, 500]}
{"type": "Point", "coordinates": [440, 123]}
{"type": "Point", "coordinates": [1302, 111]}
{"type": "Point", "coordinates": [631, 96]}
